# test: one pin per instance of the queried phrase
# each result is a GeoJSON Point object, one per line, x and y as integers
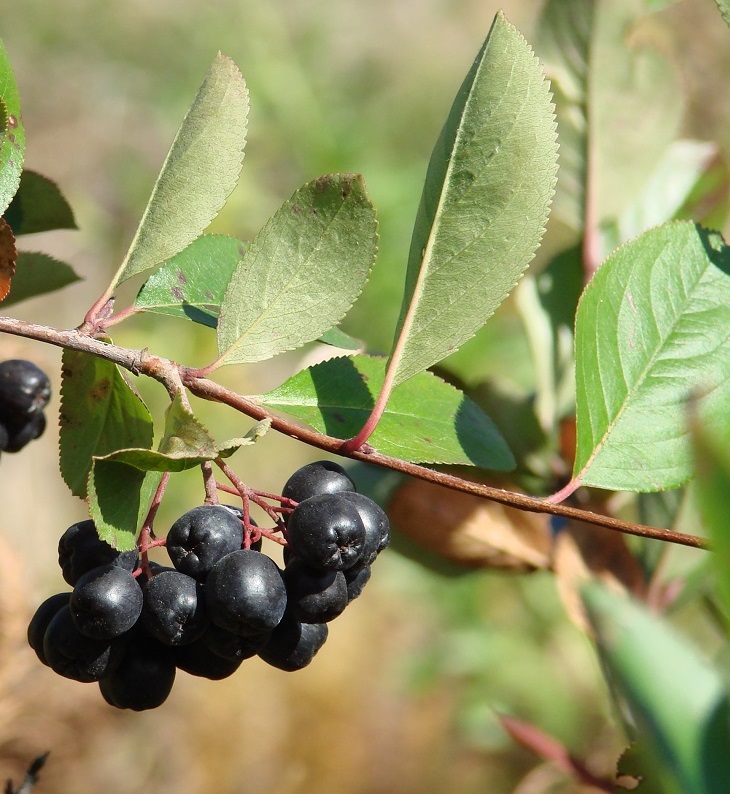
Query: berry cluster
{"type": "Point", "coordinates": [24, 392]}
{"type": "Point", "coordinates": [130, 626]}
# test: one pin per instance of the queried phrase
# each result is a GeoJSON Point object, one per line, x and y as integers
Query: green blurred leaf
{"type": "Point", "coordinates": [38, 274]}
{"type": "Point", "coordinates": [185, 444]}
{"type": "Point", "coordinates": [653, 327]}
{"type": "Point", "coordinates": [690, 172]}
{"type": "Point", "coordinates": [12, 142]}
{"type": "Point", "coordinates": [614, 92]}
{"type": "Point", "coordinates": [338, 338]}
{"type": "Point", "coordinates": [712, 451]}
{"type": "Point", "coordinates": [426, 419]}
{"type": "Point", "coordinates": [192, 284]}
{"type": "Point", "coordinates": [724, 6]}
{"type": "Point", "coordinates": [199, 173]}
{"type": "Point", "coordinates": [100, 413]}
{"type": "Point", "coordinates": [678, 702]}
{"type": "Point", "coordinates": [484, 204]}
{"type": "Point", "coordinates": [302, 272]}
{"type": "Point", "coordinates": [38, 206]}
{"type": "Point", "coordinates": [120, 497]}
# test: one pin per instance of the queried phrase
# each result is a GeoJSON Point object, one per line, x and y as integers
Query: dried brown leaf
{"type": "Point", "coordinates": [470, 531]}
{"type": "Point", "coordinates": [8, 255]}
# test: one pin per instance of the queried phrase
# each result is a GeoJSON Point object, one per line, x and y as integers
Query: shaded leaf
{"type": "Point", "coordinates": [199, 173]}
{"type": "Point", "coordinates": [192, 284]}
{"type": "Point", "coordinates": [12, 142]}
{"type": "Point", "coordinates": [614, 92]}
{"type": "Point", "coordinates": [338, 338]}
{"type": "Point", "coordinates": [302, 272]}
{"type": "Point", "coordinates": [8, 257]}
{"type": "Point", "coordinates": [185, 444]}
{"type": "Point", "coordinates": [100, 413]}
{"type": "Point", "coordinates": [470, 531]}
{"type": "Point", "coordinates": [38, 206]}
{"type": "Point", "coordinates": [484, 205]}
{"type": "Point", "coordinates": [120, 497]}
{"type": "Point", "coordinates": [38, 274]}
{"type": "Point", "coordinates": [652, 328]}
{"type": "Point", "coordinates": [426, 419]}
{"type": "Point", "coordinates": [677, 701]}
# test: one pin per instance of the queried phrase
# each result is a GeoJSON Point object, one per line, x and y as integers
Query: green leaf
{"type": "Point", "coordinates": [484, 204]}
{"type": "Point", "coordinates": [724, 6]}
{"type": "Point", "coordinates": [712, 451]}
{"type": "Point", "coordinates": [679, 703]}
{"type": "Point", "coordinates": [652, 328]}
{"type": "Point", "coordinates": [426, 420]}
{"type": "Point", "coordinates": [192, 284]}
{"type": "Point", "coordinates": [184, 445]}
{"type": "Point", "coordinates": [100, 413]}
{"type": "Point", "coordinates": [38, 206]}
{"type": "Point", "coordinates": [120, 497]}
{"type": "Point", "coordinates": [302, 272]}
{"type": "Point", "coordinates": [690, 172]}
{"type": "Point", "coordinates": [12, 142]}
{"type": "Point", "coordinates": [338, 338]}
{"type": "Point", "coordinates": [199, 173]}
{"type": "Point", "coordinates": [614, 92]}
{"type": "Point", "coordinates": [38, 274]}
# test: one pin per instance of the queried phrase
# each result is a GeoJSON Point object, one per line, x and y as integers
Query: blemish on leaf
{"type": "Point", "coordinates": [12, 121]}
{"type": "Point", "coordinates": [427, 440]}
{"type": "Point", "coordinates": [338, 418]}
{"type": "Point", "coordinates": [100, 390]}
{"type": "Point", "coordinates": [323, 183]}
{"type": "Point", "coordinates": [177, 293]}
{"type": "Point", "coordinates": [181, 277]}
{"type": "Point", "coordinates": [295, 210]}
{"type": "Point", "coordinates": [209, 295]}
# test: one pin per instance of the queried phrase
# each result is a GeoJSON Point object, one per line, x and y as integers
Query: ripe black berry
{"type": "Point", "coordinates": [80, 549]}
{"type": "Point", "coordinates": [356, 578]}
{"type": "Point", "coordinates": [377, 526]}
{"type": "Point", "coordinates": [198, 539]}
{"type": "Point", "coordinates": [21, 435]}
{"type": "Point", "coordinates": [232, 646]}
{"type": "Point", "coordinates": [293, 645]}
{"type": "Point", "coordinates": [24, 390]}
{"type": "Point", "coordinates": [245, 593]}
{"type": "Point", "coordinates": [198, 659]}
{"type": "Point", "coordinates": [74, 655]}
{"type": "Point", "coordinates": [106, 602]}
{"type": "Point", "coordinates": [174, 610]}
{"type": "Point", "coordinates": [314, 595]}
{"type": "Point", "coordinates": [42, 618]}
{"type": "Point", "coordinates": [326, 531]}
{"type": "Point", "coordinates": [321, 477]}
{"type": "Point", "coordinates": [144, 677]}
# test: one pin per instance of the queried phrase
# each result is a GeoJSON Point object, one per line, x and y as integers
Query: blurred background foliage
{"type": "Point", "coordinates": [404, 696]}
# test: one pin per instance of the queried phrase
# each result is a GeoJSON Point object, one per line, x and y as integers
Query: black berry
{"type": "Point", "coordinates": [106, 602]}
{"type": "Point", "coordinates": [314, 595]}
{"type": "Point", "coordinates": [80, 549]}
{"type": "Point", "coordinates": [40, 621]}
{"type": "Point", "coordinates": [174, 610]}
{"type": "Point", "coordinates": [293, 644]}
{"type": "Point", "coordinates": [321, 477]}
{"type": "Point", "coordinates": [24, 390]}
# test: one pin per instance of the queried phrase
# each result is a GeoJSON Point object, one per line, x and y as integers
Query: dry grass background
{"type": "Point", "coordinates": [103, 88]}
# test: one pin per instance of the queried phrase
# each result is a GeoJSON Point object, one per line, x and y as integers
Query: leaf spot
{"type": "Point", "coordinates": [12, 121]}
{"type": "Point", "coordinates": [100, 390]}
{"type": "Point", "coordinates": [177, 293]}
{"type": "Point", "coordinates": [181, 277]}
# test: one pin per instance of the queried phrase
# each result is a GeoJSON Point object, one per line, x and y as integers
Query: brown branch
{"type": "Point", "coordinates": [172, 375]}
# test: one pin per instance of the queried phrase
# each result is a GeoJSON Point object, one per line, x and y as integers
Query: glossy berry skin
{"type": "Point", "coordinates": [197, 659]}
{"type": "Point", "coordinates": [377, 526]}
{"type": "Point", "coordinates": [245, 593]}
{"type": "Point", "coordinates": [106, 602]}
{"type": "Point", "coordinates": [201, 537]}
{"type": "Point", "coordinates": [293, 645]}
{"type": "Point", "coordinates": [321, 477]}
{"type": "Point", "coordinates": [174, 609]}
{"type": "Point", "coordinates": [356, 578]}
{"type": "Point", "coordinates": [144, 678]}
{"type": "Point", "coordinates": [326, 531]}
{"type": "Point", "coordinates": [231, 646]}
{"type": "Point", "coordinates": [80, 549]}
{"type": "Point", "coordinates": [41, 619]}
{"type": "Point", "coordinates": [24, 391]}
{"type": "Point", "coordinates": [314, 595]}
{"type": "Point", "coordinates": [21, 435]}
{"type": "Point", "coordinates": [73, 655]}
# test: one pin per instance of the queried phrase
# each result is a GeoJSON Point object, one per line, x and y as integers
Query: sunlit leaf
{"type": "Point", "coordinates": [100, 413]}
{"type": "Point", "coordinates": [484, 204]}
{"type": "Point", "coordinates": [38, 206]}
{"type": "Point", "coordinates": [199, 173]}
{"type": "Point", "coordinates": [192, 284]}
{"type": "Point", "coordinates": [38, 274]}
{"type": "Point", "coordinates": [426, 420]}
{"type": "Point", "coordinates": [724, 6]}
{"type": "Point", "coordinates": [677, 701]}
{"type": "Point", "coordinates": [302, 272]}
{"type": "Point", "coordinates": [12, 140]}
{"type": "Point", "coordinates": [338, 338]}
{"type": "Point", "coordinates": [653, 328]}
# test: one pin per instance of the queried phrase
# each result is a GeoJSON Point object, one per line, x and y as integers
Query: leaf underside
{"type": "Point", "coordinates": [199, 173]}
{"type": "Point", "coordinates": [302, 272]}
{"type": "Point", "coordinates": [38, 274]}
{"type": "Point", "coordinates": [426, 419]}
{"type": "Point", "coordinates": [38, 206]}
{"type": "Point", "coordinates": [652, 330]}
{"type": "Point", "coordinates": [12, 132]}
{"type": "Point", "coordinates": [484, 205]}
